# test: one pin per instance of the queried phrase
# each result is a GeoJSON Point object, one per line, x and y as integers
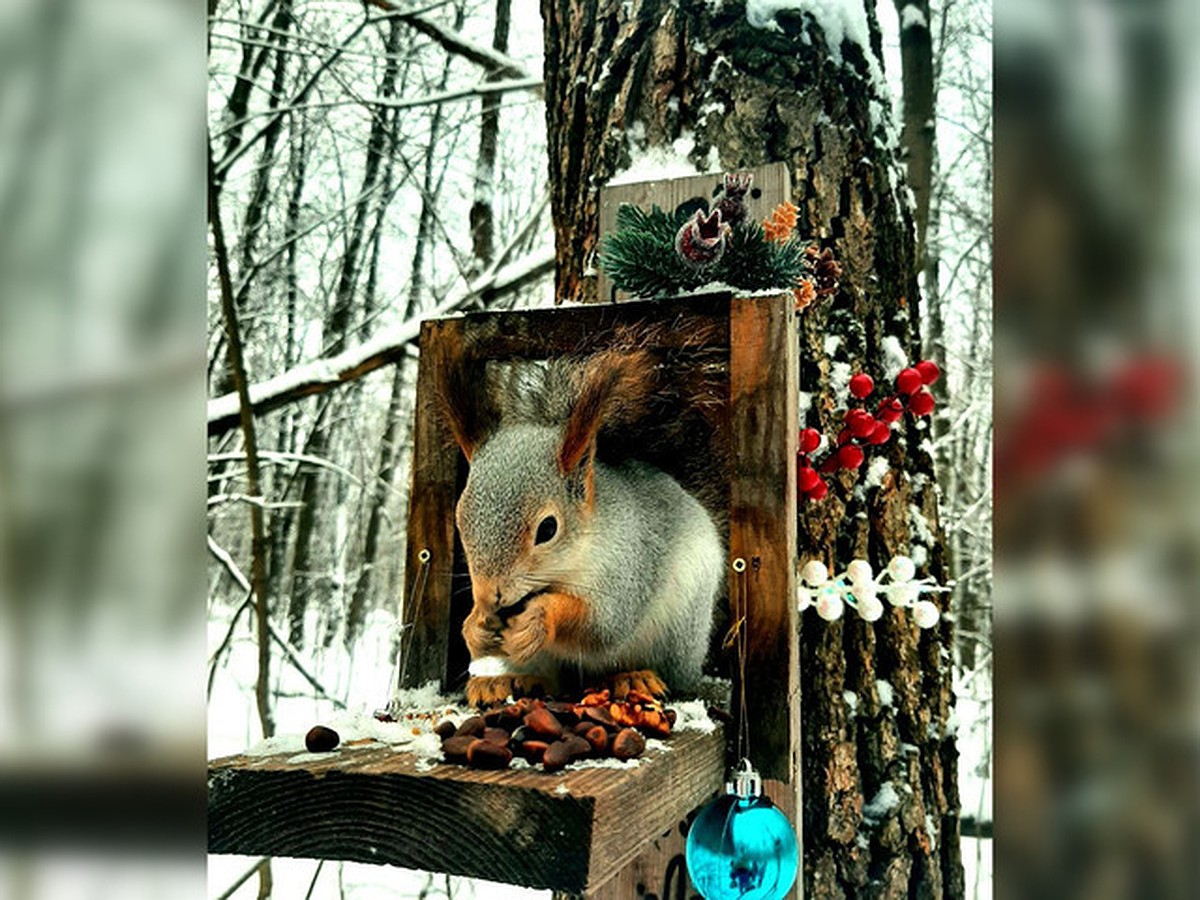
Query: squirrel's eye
{"type": "Point", "coordinates": [547, 528]}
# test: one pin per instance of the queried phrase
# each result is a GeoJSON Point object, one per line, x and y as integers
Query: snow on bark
{"type": "Point", "coordinates": [912, 17]}
{"type": "Point", "coordinates": [840, 20]}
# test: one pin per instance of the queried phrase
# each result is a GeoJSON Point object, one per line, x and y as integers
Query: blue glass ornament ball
{"type": "Point", "coordinates": [742, 847]}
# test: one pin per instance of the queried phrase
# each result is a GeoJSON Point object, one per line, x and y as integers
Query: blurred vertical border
{"type": "Point", "coordinates": [1096, 515]}
{"type": "Point", "coordinates": [102, 338]}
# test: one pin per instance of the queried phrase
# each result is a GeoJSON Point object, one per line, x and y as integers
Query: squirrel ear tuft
{"type": "Point", "coordinates": [613, 388]}
{"type": "Point", "coordinates": [464, 397]}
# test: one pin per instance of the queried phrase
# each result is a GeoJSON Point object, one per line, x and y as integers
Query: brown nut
{"type": "Point", "coordinates": [628, 744]}
{"type": "Point", "coordinates": [533, 750]}
{"type": "Point", "coordinates": [472, 727]}
{"type": "Point", "coordinates": [456, 747]}
{"type": "Point", "coordinates": [564, 712]}
{"type": "Point", "coordinates": [557, 755]}
{"type": "Point", "coordinates": [601, 716]}
{"type": "Point", "coordinates": [321, 739]}
{"type": "Point", "coordinates": [496, 736]}
{"type": "Point", "coordinates": [542, 721]}
{"type": "Point", "coordinates": [581, 728]}
{"type": "Point", "coordinates": [597, 737]}
{"type": "Point", "coordinates": [672, 716]}
{"type": "Point", "coordinates": [445, 729]}
{"type": "Point", "coordinates": [486, 755]}
{"type": "Point", "coordinates": [577, 746]}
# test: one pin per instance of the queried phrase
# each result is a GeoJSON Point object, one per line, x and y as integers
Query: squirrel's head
{"type": "Point", "coordinates": [523, 521]}
{"type": "Point", "coordinates": [523, 515]}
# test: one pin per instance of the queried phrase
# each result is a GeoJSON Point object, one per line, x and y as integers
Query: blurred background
{"type": "Point", "coordinates": [111, 617]}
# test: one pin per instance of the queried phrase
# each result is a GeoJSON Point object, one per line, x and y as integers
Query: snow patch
{"type": "Point", "coordinates": [662, 162]}
{"type": "Point", "coordinates": [885, 692]}
{"type": "Point", "coordinates": [876, 469]}
{"type": "Point", "coordinates": [932, 831]}
{"type": "Point", "coordinates": [832, 343]}
{"type": "Point", "coordinates": [692, 715]}
{"type": "Point", "coordinates": [839, 378]}
{"type": "Point", "coordinates": [851, 699]}
{"type": "Point", "coordinates": [919, 526]}
{"type": "Point", "coordinates": [912, 17]}
{"type": "Point", "coordinates": [839, 20]}
{"type": "Point", "coordinates": [894, 357]}
{"type": "Point", "coordinates": [885, 802]}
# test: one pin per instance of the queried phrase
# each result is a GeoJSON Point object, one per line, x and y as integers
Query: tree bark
{"type": "Point", "coordinates": [917, 73]}
{"type": "Point", "coordinates": [756, 96]}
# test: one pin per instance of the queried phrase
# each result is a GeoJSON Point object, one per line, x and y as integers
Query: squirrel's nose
{"type": "Point", "coordinates": [488, 593]}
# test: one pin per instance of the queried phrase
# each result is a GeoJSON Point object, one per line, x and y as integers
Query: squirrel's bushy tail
{"type": "Point", "coordinates": [639, 396]}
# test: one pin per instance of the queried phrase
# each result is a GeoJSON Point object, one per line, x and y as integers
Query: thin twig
{"type": "Point", "coordinates": [243, 879]}
{"type": "Point", "coordinates": [258, 570]}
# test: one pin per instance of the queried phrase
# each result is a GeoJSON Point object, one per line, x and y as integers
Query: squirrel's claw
{"type": "Point", "coordinates": [643, 681]}
{"type": "Point", "coordinates": [488, 690]}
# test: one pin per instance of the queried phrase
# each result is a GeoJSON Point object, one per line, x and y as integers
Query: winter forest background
{"type": "Point", "coordinates": [373, 168]}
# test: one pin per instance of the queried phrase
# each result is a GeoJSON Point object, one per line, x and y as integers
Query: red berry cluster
{"type": "Point", "coordinates": [862, 429]}
{"type": "Point", "coordinates": [1064, 415]}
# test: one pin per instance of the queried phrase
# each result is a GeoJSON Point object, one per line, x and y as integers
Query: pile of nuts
{"type": "Point", "coordinates": [554, 734]}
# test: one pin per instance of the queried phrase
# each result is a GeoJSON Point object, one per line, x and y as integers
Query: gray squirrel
{"type": "Point", "coordinates": [601, 570]}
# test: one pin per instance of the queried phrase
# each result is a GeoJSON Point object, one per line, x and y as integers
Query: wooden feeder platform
{"type": "Point", "coordinates": [569, 831]}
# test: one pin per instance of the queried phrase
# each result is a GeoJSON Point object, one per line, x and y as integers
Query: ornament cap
{"type": "Point", "coordinates": [746, 782]}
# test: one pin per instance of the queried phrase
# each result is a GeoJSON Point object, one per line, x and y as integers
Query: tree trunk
{"type": "Point", "coordinates": [754, 96]}
{"type": "Point", "coordinates": [916, 64]}
{"type": "Point", "coordinates": [483, 209]}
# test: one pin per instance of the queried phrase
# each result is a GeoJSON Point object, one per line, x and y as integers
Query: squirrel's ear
{"type": "Point", "coordinates": [613, 388]}
{"type": "Point", "coordinates": [463, 395]}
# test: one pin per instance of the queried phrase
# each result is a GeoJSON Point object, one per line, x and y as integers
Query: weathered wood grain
{"type": "Point", "coordinates": [563, 831]}
{"type": "Point", "coordinates": [763, 385]}
{"type": "Point", "coordinates": [426, 645]}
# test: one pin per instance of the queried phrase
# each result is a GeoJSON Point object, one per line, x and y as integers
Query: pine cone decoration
{"type": "Point", "coordinates": [701, 240]}
{"type": "Point", "coordinates": [731, 202]}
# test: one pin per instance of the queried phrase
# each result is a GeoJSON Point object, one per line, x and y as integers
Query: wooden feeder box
{"type": "Point", "coordinates": [592, 832]}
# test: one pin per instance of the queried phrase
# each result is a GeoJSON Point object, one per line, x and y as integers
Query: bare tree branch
{"type": "Point", "coordinates": [453, 42]}
{"type": "Point", "coordinates": [389, 345]}
{"type": "Point", "coordinates": [483, 89]}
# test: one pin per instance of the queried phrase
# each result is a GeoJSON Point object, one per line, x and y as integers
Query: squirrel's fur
{"type": "Point", "coordinates": [584, 559]}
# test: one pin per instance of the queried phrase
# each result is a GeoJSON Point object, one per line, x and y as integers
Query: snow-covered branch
{"type": "Point", "coordinates": [454, 42]}
{"type": "Point", "coordinates": [388, 346]}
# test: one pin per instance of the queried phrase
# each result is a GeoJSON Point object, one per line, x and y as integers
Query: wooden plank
{"type": "Point", "coordinates": [763, 385]}
{"type": "Point", "coordinates": [772, 185]}
{"type": "Point", "coordinates": [430, 521]}
{"type": "Point", "coordinates": [659, 871]}
{"type": "Point", "coordinates": [669, 324]}
{"type": "Point", "coordinates": [560, 831]}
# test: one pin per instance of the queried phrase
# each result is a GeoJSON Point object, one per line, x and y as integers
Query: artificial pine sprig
{"type": "Point", "coordinates": [654, 253]}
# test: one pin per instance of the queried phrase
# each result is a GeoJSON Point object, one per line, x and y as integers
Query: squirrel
{"type": "Point", "coordinates": [580, 566]}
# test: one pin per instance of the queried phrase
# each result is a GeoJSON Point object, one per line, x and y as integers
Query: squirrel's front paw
{"type": "Point", "coordinates": [488, 690]}
{"type": "Point", "coordinates": [525, 633]}
{"type": "Point", "coordinates": [643, 681]}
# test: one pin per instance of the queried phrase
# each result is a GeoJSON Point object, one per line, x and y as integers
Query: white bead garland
{"type": "Point", "coordinates": [858, 587]}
